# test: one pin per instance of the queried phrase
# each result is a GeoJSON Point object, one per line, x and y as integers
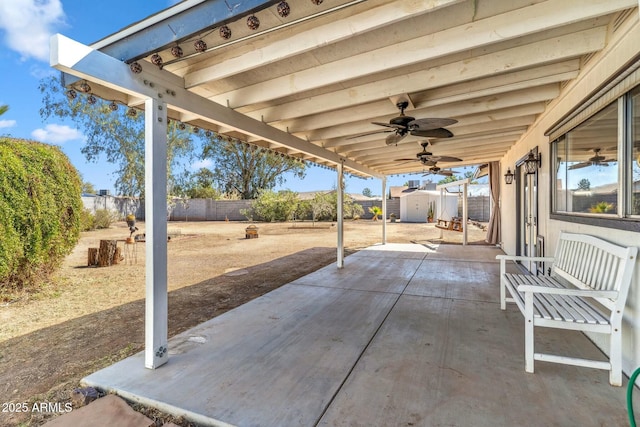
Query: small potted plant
{"type": "Point", "coordinates": [430, 213]}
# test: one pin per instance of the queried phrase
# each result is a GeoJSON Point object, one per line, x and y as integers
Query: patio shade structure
{"type": "Point", "coordinates": [310, 83]}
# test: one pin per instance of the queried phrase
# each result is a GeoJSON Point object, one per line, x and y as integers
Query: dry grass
{"type": "Point", "coordinates": [88, 318]}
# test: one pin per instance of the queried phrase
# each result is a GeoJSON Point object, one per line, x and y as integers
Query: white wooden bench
{"type": "Point", "coordinates": [586, 291]}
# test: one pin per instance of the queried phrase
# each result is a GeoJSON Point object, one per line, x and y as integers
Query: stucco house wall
{"type": "Point", "coordinates": [623, 48]}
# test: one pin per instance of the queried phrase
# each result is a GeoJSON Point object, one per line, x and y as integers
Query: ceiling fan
{"type": "Point", "coordinates": [429, 159]}
{"type": "Point", "coordinates": [402, 126]}
{"type": "Point", "coordinates": [596, 160]}
{"type": "Point", "coordinates": [434, 170]}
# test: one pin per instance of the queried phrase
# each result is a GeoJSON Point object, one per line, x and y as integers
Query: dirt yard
{"type": "Point", "coordinates": [91, 317]}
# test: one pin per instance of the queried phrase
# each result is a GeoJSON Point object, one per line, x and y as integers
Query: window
{"type": "Point", "coordinates": [587, 166]}
{"type": "Point", "coordinates": [597, 163]}
{"type": "Point", "coordinates": [634, 164]}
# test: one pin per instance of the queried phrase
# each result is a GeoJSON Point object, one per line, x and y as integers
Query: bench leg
{"type": "Point", "coordinates": [503, 296]}
{"type": "Point", "coordinates": [615, 357]}
{"type": "Point", "coordinates": [528, 332]}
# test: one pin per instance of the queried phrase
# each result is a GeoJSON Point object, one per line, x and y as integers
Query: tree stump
{"type": "Point", "coordinates": [92, 260]}
{"type": "Point", "coordinates": [107, 253]}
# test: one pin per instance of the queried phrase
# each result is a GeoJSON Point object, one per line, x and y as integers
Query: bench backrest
{"type": "Point", "coordinates": [592, 263]}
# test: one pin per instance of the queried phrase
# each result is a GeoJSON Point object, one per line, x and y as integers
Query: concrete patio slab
{"type": "Point", "coordinates": [397, 250]}
{"type": "Point", "coordinates": [275, 361]}
{"type": "Point", "coordinates": [451, 362]}
{"type": "Point", "coordinates": [412, 337]}
{"type": "Point", "coordinates": [460, 279]}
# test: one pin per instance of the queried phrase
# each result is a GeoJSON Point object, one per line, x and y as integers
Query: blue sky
{"type": "Point", "coordinates": [25, 28]}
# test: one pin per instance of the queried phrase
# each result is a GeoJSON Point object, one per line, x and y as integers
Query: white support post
{"type": "Point", "coordinates": [465, 213]}
{"type": "Point", "coordinates": [384, 210]}
{"type": "Point", "coordinates": [443, 200]}
{"type": "Point", "coordinates": [340, 190]}
{"type": "Point", "coordinates": [156, 311]}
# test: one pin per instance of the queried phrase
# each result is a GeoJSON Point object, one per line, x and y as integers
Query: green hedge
{"type": "Point", "coordinates": [40, 209]}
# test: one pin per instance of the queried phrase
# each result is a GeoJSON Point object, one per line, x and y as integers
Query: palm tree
{"type": "Point", "coordinates": [376, 211]}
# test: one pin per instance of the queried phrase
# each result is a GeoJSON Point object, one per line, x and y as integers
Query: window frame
{"type": "Point", "coordinates": [624, 219]}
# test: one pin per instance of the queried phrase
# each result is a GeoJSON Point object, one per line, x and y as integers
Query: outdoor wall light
{"type": "Point", "coordinates": [532, 162]}
{"type": "Point", "coordinates": [508, 177]}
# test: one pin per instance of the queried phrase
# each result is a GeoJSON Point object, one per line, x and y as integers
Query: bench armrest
{"type": "Point", "coordinates": [525, 258]}
{"type": "Point", "coordinates": [572, 292]}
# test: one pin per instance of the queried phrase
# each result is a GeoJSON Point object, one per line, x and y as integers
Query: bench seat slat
{"type": "Point", "coordinates": [555, 307]}
{"type": "Point", "coordinates": [573, 309]}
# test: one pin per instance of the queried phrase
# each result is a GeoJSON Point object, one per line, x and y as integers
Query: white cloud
{"type": "Point", "coordinates": [28, 25]}
{"type": "Point", "coordinates": [206, 163]}
{"type": "Point", "coordinates": [42, 72]}
{"type": "Point", "coordinates": [57, 134]}
{"type": "Point", "coordinates": [7, 123]}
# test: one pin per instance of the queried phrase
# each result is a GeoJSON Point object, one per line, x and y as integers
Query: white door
{"type": "Point", "coordinates": [527, 214]}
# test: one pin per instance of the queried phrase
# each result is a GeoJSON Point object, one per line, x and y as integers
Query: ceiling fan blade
{"type": "Point", "coordinates": [389, 125]}
{"type": "Point", "coordinates": [444, 159]}
{"type": "Point", "coordinates": [369, 133]}
{"type": "Point", "coordinates": [579, 165]}
{"type": "Point", "coordinates": [430, 123]}
{"type": "Point", "coordinates": [432, 133]}
{"type": "Point", "coordinates": [404, 161]}
{"type": "Point", "coordinates": [394, 138]}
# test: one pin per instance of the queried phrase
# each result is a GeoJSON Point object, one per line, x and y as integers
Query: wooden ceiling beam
{"type": "Point", "coordinates": [558, 49]}
{"type": "Point", "coordinates": [463, 92]}
{"type": "Point", "coordinates": [513, 24]}
{"type": "Point", "coordinates": [479, 106]}
{"type": "Point", "coordinates": [296, 44]}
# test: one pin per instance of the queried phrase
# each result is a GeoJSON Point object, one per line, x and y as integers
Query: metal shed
{"type": "Point", "coordinates": [414, 206]}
